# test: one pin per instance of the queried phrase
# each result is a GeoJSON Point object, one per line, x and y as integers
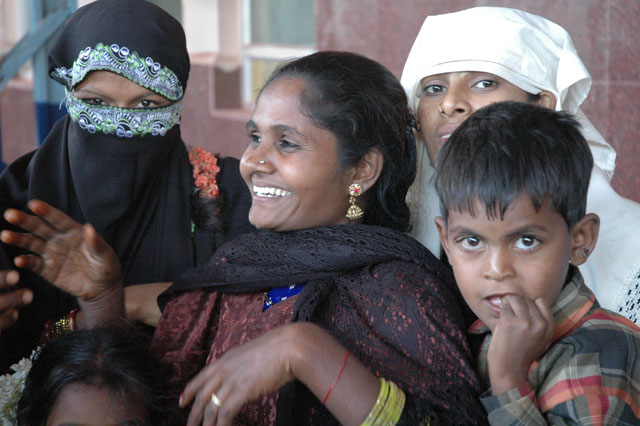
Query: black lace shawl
{"type": "Point", "coordinates": [350, 269]}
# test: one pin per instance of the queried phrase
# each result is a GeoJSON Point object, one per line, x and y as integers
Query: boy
{"type": "Point", "coordinates": [512, 182]}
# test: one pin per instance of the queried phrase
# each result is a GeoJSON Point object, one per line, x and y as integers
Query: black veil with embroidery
{"type": "Point", "coordinates": [135, 191]}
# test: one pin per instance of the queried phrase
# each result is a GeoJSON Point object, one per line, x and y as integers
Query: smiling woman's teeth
{"type": "Point", "coordinates": [267, 191]}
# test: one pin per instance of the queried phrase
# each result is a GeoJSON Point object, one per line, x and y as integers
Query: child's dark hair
{"type": "Point", "coordinates": [364, 106]}
{"type": "Point", "coordinates": [507, 148]}
{"type": "Point", "coordinates": [115, 358]}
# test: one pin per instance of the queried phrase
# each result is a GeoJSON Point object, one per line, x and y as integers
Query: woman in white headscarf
{"type": "Point", "coordinates": [495, 54]}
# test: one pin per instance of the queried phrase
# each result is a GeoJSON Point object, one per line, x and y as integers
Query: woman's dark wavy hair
{"type": "Point", "coordinates": [364, 106]}
{"type": "Point", "coordinates": [509, 148]}
{"type": "Point", "coordinates": [115, 357]}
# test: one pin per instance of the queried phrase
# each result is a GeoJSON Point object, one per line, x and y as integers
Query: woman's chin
{"type": "Point", "coordinates": [266, 223]}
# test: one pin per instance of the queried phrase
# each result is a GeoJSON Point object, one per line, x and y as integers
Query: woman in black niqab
{"type": "Point", "coordinates": [124, 170]}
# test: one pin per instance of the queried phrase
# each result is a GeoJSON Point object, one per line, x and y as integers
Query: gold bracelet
{"type": "Point", "coordinates": [390, 414]}
{"type": "Point", "coordinates": [377, 407]}
{"type": "Point", "coordinates": [396, 412]}
{"type": "Point", "coordinates": [62, 325]}
{"type": "Point", "coordinates": [383, 417]}
{"type": "Point", "coordinates": [388, 407]}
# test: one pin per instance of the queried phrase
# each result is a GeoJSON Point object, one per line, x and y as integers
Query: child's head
{"type": "Point", "coordinates": [512, 182]}
{"type": "Point", "coordinates": [99, 376]}
{"type": "Point", "coordinates": [512, 147]}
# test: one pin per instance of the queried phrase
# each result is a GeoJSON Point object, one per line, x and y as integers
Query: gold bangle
{"type": "Point", "coordinates": [387, 414]}
{"type": "Point", "coordinates": [375, 415]}
{"type": "Point", "coordinates": [388, 407]}
{"type": "Point", "coordinates": [377, 407]}
{"type": "Point", "coordinates": [383, 417]}
{"type": "Point", "coordinates": [398, 407]}
{"type": "Point", "coordinates": [60, 326]}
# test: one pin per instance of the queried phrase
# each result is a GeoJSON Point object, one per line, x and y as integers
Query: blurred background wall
{"type": "Point", "coordinates": [234, 44]}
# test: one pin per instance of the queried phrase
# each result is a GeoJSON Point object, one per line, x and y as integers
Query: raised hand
{"type": "Point", "coordinates": [522, 335]}
{"type": "Point", "coordinates": [11, 300]}
{"type": "Point", "coordinates": [71, 256]}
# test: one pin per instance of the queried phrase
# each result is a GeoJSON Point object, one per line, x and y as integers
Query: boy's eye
{"type": "Point", "coordinates": [470, 243]}
{"type": "Point", "coordinates": [486, 84]}
{"type": "Point", "coordinates": [434, 89]}
{"type": "Point", "coordinates": [527, 242]}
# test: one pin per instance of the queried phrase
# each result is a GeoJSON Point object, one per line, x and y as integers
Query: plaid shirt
{"type": "Point", "coordinates": [589, 375]}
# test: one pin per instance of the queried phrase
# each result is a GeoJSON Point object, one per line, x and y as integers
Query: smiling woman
{"type": "Point", "coordinates": [330, 313]}
{"type": "Point", "coordinates": [287, 194]}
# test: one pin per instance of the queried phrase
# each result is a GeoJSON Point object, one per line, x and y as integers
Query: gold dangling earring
{"type": "Point", "coordinates": [354, 212]}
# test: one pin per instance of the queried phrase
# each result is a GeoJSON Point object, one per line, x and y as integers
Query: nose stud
{"type": "Point", "coordinates": [261, 161]}
{"type": "Point", "coordinates": [440, 109]}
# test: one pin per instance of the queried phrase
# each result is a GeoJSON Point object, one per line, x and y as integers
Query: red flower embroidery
{"type": "Point", "coordinates": [205, 171]}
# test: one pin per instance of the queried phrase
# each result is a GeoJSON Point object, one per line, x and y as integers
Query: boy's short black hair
{"type": "Point", "coordinates": [507, 148]}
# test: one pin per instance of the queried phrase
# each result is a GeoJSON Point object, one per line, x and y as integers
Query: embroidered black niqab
{"type": "Point", "coordinates": [134, 190]}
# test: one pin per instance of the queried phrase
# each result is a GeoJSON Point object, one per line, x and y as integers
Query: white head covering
{"type": "Point", "coordinates": [527, 50]}
{"type": "Point", "coordinates": [534, 54]}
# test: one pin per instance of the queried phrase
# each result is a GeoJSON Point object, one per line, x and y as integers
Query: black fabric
{"type": "Point", "coordinates": [136, 24]}
{"type": "Point", "coordinates": [151, 248]}
{"type": "Point", "coordinates": [257, 262]}
{"type": "Point", "coordinates": [135, 191]}
{"type": "Point", "coordinates": [330, 260]}
{"type": "Point", "coordinates": [44, 174]}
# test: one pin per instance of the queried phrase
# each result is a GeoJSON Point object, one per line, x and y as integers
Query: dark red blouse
{"type": "Point", "coordinates": [239, 318]}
